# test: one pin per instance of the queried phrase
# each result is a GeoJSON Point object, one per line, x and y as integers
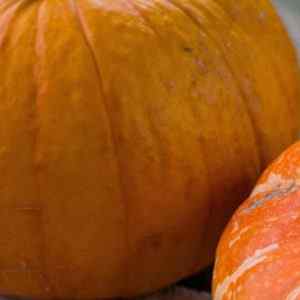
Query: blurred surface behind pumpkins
{"type": "Point", "coordinates": [290, 12]}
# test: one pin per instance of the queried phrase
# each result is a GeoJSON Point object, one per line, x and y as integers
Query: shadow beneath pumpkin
{"type": "Point", "coordinates": [200, 281]}
{"type": "Point", "coordinates": [8, 297]}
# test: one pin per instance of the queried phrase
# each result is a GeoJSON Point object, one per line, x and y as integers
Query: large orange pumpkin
{"type": "Point", "coordinates": [258, 256]}
{"type": "Point", "coordinates": [130, 130]}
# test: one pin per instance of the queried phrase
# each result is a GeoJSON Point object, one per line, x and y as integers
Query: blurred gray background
{"type": "Point", "coordinates": [290, 12]}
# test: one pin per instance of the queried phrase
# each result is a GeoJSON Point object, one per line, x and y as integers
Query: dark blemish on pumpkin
{"type": "Point", "coordinates": [153, 240]}
{"type": "Point", "coordinates": [201, 139]}
{"type": "Point", "coordinates": [170, 85]}
{"type": "Point", "coordinates": [271, 196]}
{"type": "Point", "coordinates": [194, 82]}
{"type": "Point", "coordinates": [187, 49]}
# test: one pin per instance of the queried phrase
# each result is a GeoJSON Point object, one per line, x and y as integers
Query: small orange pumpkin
{"type": "Point", "coordinates": [258, 256]}
{"type": "Point", "coordinates": [130, 130]}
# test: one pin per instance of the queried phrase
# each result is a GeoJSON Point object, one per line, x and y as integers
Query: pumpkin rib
{"type": "Point", "coordinates": [83, 30]}
{"type": "Point", "coordinates": [4, 5]}
{"type": "Point", "coordinates": [282, 89]}
{"type": "Point", "coordinates": [271, 63]}
{"type": "Point", "coordinates": [152, 127]}
{"type": "Point", "coordinates": [143, 17]}
{"type": "Point", "coordinates": [11, 16]}
{"type": "Point", "coordinates": [147, 23]}
{"type": "Point", "coordinates": [48, 287]}
{"type": "Point", "coordinates": [239, 84]}
{"type": "Point", "coordinates": [267, 55]}
{"type": "Point", "coordinates": [278, 75]}
{"type": "Point", "coordinates": [185, 12]}
{"type": "Point", "coordinates": [12, 10]}
{"type": "Point", "coordinates": [234, 77]}
{"type": "Point", "coordinates": [157, 34]}
{"type": "Point", "coordinates": [230, 69]}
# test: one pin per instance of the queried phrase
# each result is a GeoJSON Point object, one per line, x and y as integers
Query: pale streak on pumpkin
{"type": "Point", "coordinates": [275, 186]}
{"type": "Point", "coordinates": [7, 18]}
{"type": "Point", "coordinates": [233, 241]}
{"type": "Point", "coordinates": [274, 181]}
{"type": "Point", "coordinates": [235, 227]}
{"type": "Point", "coordinates": [293, 295]}
{"type": "Point", "coordinates": [250, 262]}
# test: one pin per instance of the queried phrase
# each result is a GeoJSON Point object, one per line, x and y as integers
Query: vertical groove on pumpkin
{"type": "Point", "coordinates": [281, 82]}
{"type": "Point", "coordinates": [201, 142]}
{"type": "Point", "coordinates": [9, 13]}
{"type": "Point", "coordinates": [86, 38]}
{"type": "Point", "coordinates": [39, 52]}
{"type": "Point", "coordinates": [152, 128]}
{"type": "Point", "coordinates": [206, 166]}
{"type": "Point", "coordinates": [244, 96]}
{"type": "Point", "coordinates": [142, 16]}
{"type": "Point", "coordinates": [255, 131]}
{"type": "Point", "coordinates": [251, 122]}
{"type": "Point", "coordinates": [211, 208]}
{"type": "Point", "coordinates": [269, 58]}
{"type": "Point", "coordinates": [140, 11]}
{"type": "Point", "coordinates": [7, 18]}
{"type": "Point", "coordinates": [5, 5]}
{"type": "Point", "coordinates": [155, 132]}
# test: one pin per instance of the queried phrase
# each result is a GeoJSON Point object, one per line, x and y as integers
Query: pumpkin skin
{"type": "Point", "coordinates": [130, 131]}
{"type": "Point", "coordinates": [258, 254]}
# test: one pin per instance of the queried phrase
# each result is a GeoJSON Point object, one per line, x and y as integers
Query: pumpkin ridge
{"type": "Point", "coordinates": [267, 57]}
{"type": "Point", "coordinates": [49, 288]}
{"type": "Point", "coordinates": [231, 71]}
{"type": "Point", "coordinates": [142, 15]}
{"type": "Point", "coordinates": [5, 4]}
{"type": "Point", "coordinates": [196, 22]}
{"type": "Point", "coordinates": [6, 27]}
{"type": "Point", "coordinates": [83, 30]}
{"type": "Point", "coordinates": [210, 207]}
{"type": "Point", "coordinates": [147, 22]}
{"type": "Point", "coordinates": [239, 88]}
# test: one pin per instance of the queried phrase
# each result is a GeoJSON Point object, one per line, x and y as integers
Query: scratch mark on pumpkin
{"type": "Point", "coordinates": [249, 263]}
{"type": "Point", "coordinates": [233, 241]}
{"type": "Point", "coordinates": [293, 295]}
{"type": "Point", "coordinates": [25, 208]}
